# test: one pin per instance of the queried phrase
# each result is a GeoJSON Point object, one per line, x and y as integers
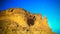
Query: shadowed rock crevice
{"type": "Point", "coordinates": [30, 20]}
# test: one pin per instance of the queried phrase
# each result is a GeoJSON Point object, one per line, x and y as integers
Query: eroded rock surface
{"type": "Point", "coordinates": [20, 21]}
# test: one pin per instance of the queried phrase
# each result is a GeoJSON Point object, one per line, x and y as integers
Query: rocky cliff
{"type": "Point", "coordinates": [20, 21]}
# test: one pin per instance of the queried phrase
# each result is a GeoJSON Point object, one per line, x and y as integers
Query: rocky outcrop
{"type": "Point", "coordinates": [20, 21]}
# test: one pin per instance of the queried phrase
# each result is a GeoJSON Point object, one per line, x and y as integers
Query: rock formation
{"type": "Point", "coordinates": [20, 21]}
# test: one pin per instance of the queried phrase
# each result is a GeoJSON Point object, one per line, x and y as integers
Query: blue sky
{"type": "Point", "coordinates": [50, 8]}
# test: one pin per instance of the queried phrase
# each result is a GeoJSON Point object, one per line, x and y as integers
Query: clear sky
{"type": "Point", "coordinates": [50, 8]}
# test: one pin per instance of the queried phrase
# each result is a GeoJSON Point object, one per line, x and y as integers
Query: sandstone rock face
{"type": "Point", "coordinates": [20, 21]}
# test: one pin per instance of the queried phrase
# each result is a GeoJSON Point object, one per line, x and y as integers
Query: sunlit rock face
{"type": "Point", "coordinates": [20, 21]}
